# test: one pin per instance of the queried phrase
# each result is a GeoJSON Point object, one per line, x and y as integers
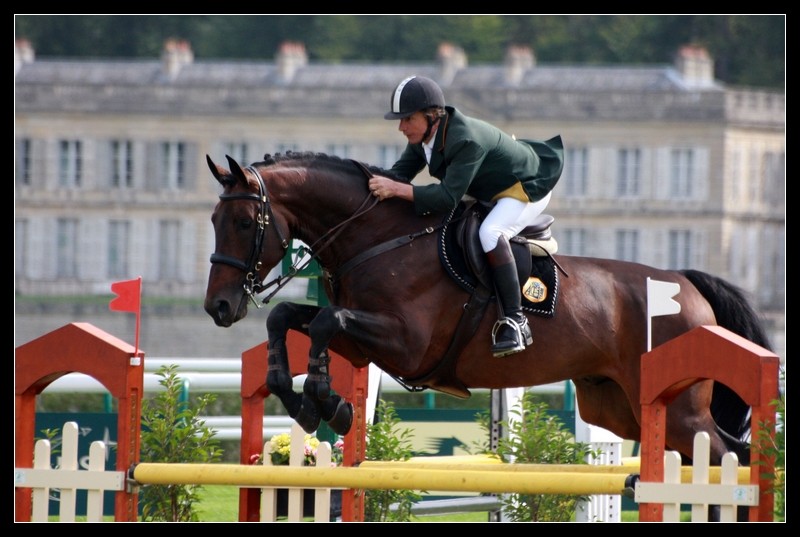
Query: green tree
{"type": "Point", "coordinates": [748, 50]}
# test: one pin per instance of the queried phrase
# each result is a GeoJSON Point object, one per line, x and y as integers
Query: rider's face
{"type": "Point", "coordinates": [413, 127]}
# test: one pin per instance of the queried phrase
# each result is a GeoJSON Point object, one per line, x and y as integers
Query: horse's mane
{"type": "Point", "coordinates": [308, 157]}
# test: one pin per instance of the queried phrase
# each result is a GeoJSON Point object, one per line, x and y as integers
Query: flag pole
{"type": "Point", "coordinates": [138, 318]}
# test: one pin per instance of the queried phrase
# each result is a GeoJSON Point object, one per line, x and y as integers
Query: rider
{"type": "Point", "coordinates": [470, 156]}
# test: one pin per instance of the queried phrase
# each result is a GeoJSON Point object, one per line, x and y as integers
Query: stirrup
{"type": "Point", "coordinates": [522, 332]}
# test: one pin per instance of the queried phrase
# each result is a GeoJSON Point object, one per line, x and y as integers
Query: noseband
{"type": "Point", "coordinates": [252, 285]}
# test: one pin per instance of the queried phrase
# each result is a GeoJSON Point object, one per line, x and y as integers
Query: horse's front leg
{"type": "Point", "coordinates": [365, 330]}
{"type": "Point", "coordinates": [333, 409]}
{"type": "Point", "coordinates": [284, 317]}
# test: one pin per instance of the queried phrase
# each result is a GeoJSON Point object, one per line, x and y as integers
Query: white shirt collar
{"type": "Point", "coordinates": [428, 147]}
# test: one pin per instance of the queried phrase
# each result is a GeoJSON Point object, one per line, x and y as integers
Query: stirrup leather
{"type": "Point", "coordinates": [523, 338]}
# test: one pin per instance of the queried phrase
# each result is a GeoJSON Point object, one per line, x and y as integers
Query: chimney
{"type": "Point", "coordinates": [451, 59]}
{"type": "Point", "coordinates": [695, 66]}
{"type": "Point", "coordinates": [23, 53]}
{"type": "Point", "coordinates": [518, 59]}
{"type": "Point", "coordinates": [291, 57]}
{"type": "Point", "coordinates": [176, 54]}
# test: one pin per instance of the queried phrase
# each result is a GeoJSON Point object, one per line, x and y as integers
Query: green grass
{"type": "Point", "coordinates": [221, 504]}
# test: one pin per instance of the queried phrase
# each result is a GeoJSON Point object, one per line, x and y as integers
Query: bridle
{"type": "Point", "coordinates": [251, 267]}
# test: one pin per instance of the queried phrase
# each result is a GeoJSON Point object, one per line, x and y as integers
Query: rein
{"type": "Point", "coordinates": [328, 239]}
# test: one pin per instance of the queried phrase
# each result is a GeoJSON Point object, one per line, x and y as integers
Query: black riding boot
{"type": "Point", "coordinates": [511, 333]}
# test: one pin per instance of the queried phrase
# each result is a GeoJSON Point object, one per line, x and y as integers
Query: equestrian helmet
{"type": "Point", "coordinates": [413, 94]}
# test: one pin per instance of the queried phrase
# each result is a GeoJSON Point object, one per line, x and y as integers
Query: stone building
{"type": "Point", "coordinates": [664, 165]}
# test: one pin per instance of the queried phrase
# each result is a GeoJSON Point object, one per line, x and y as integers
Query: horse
{"type": "Point", "coordinates": [398, 298]}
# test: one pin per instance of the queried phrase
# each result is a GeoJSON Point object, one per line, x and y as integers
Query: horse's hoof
{"type": "Point", "coordinates": [308, 417]}
{"type": "Point", "coordinates": [342, 418]}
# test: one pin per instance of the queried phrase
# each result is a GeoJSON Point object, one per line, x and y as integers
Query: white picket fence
{"type": "Point", "coordinates": [728, 493]}
{"type": "Point", "coordinates": [322, 497]}
{"type": "Point", "coordinates": [68, 479]}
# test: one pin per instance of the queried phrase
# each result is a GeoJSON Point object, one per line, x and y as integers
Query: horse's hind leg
{"type": "Point", "coordinates": [282, 318]}
{"type": "Point", "coordinates": [603, 402]}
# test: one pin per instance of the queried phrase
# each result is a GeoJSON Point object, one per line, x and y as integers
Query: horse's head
{"type": "Point", "coordinates": [249, 242]}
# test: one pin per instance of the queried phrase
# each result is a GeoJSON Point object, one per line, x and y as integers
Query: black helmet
{"type": "Point", "coordinates": [413, 94]}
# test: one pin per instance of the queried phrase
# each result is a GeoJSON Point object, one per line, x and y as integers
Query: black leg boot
{"type": "Point", "coordinates": [511, 332]}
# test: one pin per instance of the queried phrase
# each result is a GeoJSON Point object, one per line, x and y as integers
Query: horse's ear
{"type": "Point", "coordinates": [218, 171]}
{"type": "Point", "coordinates": [235, 168]}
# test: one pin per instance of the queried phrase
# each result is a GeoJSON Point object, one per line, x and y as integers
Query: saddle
{"type": "Point", "coordinates": [465, 261]}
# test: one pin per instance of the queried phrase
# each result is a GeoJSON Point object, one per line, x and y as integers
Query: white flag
{"type": "Point", "coordinates": [659, 298]}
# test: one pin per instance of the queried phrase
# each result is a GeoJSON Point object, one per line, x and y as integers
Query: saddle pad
{"type": "Point", "coordinates": [539, 291]}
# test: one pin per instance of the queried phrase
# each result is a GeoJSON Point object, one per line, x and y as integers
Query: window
{"type": "Point", "coordinates": [736, 158]}
{"type": "Point", "coordinates": [70, 163]}
{"type": "Point", "coordinates": [237, 151]}
{"type": "Point", "coordinates": [576, 172]}
{"type": "Point", "coordinates": [67, 248]}
{"type": "Point", "coordinates": [681, 173]}
{"type": "Point", "coordinates": [627, 245]}
{"type": "Point", "coordinates": [173, 165]}
{"type": "Point", "coordinates": [121, 163]}
{"type": "Point", "coordinates": [20, 246]}
{"type": "Point", "coordinates": [168, 250]}
{"type": "Point", "coordinates": [118, 242]}
{"type": "Point", "coordinates": [628, 171]}
{"type": "Point", "coordinates": [388, 155]}
{"type": "Point", "coordinates": [23, 161]}
{"type": "Point", "coordinates": [774, 178]}
{"type": "Point", "coordinates": [573, 241]}
{"type": "Point", "coordinates": [753, 176]}
{"type": "Point", "coordinates": [680, 250]}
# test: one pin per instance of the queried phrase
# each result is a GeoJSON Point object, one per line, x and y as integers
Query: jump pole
{"type": "Point", "coordinates": [533, 482]}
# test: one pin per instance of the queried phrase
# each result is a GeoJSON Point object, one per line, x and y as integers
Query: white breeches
{"type": "Point", "coordinates": [508, 217]}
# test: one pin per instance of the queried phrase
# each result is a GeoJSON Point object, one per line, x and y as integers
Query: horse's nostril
{"type": "Point", "coordinates": [218, 310]}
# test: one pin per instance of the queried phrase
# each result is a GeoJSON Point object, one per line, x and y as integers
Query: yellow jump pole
{"type": "Point", "coordinates": [572, 483]}
{"type": "Point", "coordinates": [686, 471]}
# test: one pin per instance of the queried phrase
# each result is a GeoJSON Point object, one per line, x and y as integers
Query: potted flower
{"type": "Point", "coordinates": [281, 445]}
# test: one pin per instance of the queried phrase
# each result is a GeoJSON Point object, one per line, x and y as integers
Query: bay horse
{"type": "Point", "coordinates": [396, 300]}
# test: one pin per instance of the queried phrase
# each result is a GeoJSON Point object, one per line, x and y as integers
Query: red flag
{"type": "Point", "coordinates": [128, 295]}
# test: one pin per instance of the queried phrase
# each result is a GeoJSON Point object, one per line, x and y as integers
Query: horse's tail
{"type": "Point", "coordinates": [733, 312]}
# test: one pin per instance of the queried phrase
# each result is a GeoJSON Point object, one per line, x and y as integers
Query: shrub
{"type": "Point", "coordinates": [172, 432]}
{"type": "Point", "coordinates": [777, 449]}
{"type": "Point", "coordinates": [536, 436]}
{"type": "Point", "coordinates": [386, 443]}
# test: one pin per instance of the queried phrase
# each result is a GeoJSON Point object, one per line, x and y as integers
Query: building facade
{"type": "Point", "coordinates": [664, 165]}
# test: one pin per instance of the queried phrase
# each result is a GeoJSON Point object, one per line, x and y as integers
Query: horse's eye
{"type": "Point", "coordinates": [247, 223]}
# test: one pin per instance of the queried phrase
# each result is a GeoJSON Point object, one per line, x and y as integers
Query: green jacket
{"type": "Point", "coordinates": [473, 157]}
